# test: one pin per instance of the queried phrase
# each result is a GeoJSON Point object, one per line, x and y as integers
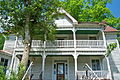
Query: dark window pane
{"type": "Point", "coordinates": [2, 59]}
{"type": "Point", "coordinates": [6, 62]}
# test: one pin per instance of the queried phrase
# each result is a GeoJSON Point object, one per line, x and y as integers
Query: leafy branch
{"type": "Point", "coordinates": [110, 48]}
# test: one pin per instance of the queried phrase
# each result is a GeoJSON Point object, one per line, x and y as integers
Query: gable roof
{"type": "Point", "coordinates": [5, 53]}
{"type": "Point", "coordinates": [69, 16]}
{"type": "Point", "coordinates": [110, 29]}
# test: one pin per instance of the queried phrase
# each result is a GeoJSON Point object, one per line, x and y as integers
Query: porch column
{"type": "Point", "coordinates": [75, 58]}
{"type": "Point", "coordinates": [75, 54]}
{"type": "Point", "coordinates": [43, 66]}
{"type": "Point", "coordinates": [104, 38]}
{"type": "Point", "coordinates": [43, 59]}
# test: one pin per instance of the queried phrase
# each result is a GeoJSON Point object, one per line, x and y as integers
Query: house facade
{"type": "Point", "coordinates": [78, 53]}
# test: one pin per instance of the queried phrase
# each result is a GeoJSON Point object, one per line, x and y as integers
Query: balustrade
{"type": "Point", "coordinates": [66, 44]}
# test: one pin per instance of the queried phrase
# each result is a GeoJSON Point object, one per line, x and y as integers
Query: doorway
{"type": "Point", "coordinates": [60, 71]}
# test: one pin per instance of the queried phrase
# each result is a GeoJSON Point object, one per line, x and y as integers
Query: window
{"type": "Point", "coordinates": [4, 62]}
{"type": "Point", "coordinates": [96, 64]}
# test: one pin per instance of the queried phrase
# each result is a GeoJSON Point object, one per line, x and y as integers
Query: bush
{"type": "Point", "coordinates": [2, 73]}
{"type": "Point", "coordinates": [14, 75]}
{"type": "Point", "coordinates": [17, 75]}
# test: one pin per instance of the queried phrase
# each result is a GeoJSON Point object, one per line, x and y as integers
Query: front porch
{"type": "Point", "coordinates": [63, 67]}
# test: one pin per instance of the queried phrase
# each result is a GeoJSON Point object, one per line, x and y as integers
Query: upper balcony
{"type": "Point", "coordinates": [84, 42]}
{"type": "Point", "coordinates": [66, 47]}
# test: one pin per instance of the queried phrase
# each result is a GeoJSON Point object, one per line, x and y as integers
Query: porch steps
{"type": "Point", "coordinates": [114, 59]}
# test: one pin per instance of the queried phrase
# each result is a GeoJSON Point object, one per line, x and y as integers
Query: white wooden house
{"type": "Point", "coordinates": [77, 53]}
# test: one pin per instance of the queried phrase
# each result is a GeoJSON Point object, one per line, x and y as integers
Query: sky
{"type": "Point", "coordinates": [115, 7]}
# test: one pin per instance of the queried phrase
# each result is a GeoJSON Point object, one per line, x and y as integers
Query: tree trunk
{"type": "Point", "coordinates": [27, 43]}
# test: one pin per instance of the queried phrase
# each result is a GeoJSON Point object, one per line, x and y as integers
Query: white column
{"type": "Point", "coordinates": [108, 64]}
{"type": "Point", "coordinates": [104, 38]}
{"type": "Point", "coordinates": [43, 66]}
{"type": "Point", "coordinates": [75, 59]}
{"type": "Point", "coordinates": [43, 59]}
{"type": "Point", "coordinates": [75, 54]}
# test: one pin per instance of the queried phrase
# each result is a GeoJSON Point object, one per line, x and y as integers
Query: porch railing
{"type": "Point", "coordinates": [101, 74]}
{"type": "Point", "coordinates": [89, 43]}
{"type": "Point", "coordinates": [66, 44]}
{"type": "Point", "coordinates": [89, 74]}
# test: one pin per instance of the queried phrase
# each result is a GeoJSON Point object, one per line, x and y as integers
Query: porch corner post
{"type": "Point", "coordinates": [108, 64]}
{"type": "Point", "coordinates": [43, 66]}
{"type": "Point", "coordinates": [43, 59]}
{"type": "Point", "coordinates": [75, 53]}
{"type": "Point", "coordinates": [75, 58]}
{"type": "Point", "coordinates": [104, 38]}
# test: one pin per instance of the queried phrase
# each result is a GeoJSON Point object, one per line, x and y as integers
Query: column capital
{"type": "Point", "coordinates": [75, 56]}
{"type": "Point", "coordinates": [44, 55]}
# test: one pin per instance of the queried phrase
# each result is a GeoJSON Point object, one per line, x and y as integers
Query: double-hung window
{"type": "Point", "coordinates": [96, 64]}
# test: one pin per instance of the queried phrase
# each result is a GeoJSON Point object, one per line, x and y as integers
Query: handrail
{"type": "Point", "coordinates": [65, 43]}
{"type": "Point", "coordinates": [92, 71]}
{"type": "Point", "coordinates": [27, 70]}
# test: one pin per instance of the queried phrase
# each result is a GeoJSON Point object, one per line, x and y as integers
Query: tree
{"type": "Point", "coordinates": [87, 10]}
{"type": "Point", "coordinates": [90, 11]}
{"type": "Point", "coordinates": [28, 18]}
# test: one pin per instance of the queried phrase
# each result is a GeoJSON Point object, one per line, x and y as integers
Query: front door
{"type": "Point", "coordinates": [60, 71]}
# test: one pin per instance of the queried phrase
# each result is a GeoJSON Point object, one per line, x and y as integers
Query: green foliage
{"type": "Point", "coordinates": [90, 11]}
{"type": "Point", "coordinates": [110, 48]}
{"type": "Point", "coordinates": [2, 73]}
{"type": "Point", "coordinates": [18, 75]}
{"type": "Point", "coordinates": [87, 10]}
{"type": "Point", "coordinates": [28, 18]}
{"type": "Point", "coordinates": [14, 75]}
{"type": "Point", "coordinates": [40, 14]}
{"type": "Point", "coordinates": [2, 40]}
{"type": "Point", "coordinates": [114, 22]}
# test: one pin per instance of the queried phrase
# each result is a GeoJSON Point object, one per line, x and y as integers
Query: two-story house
{"type": "Point", "coordinates": [77, 53]}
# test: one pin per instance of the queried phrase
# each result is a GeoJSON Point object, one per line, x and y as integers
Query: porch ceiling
{"type": "Point", "coordinates": [77, 32]}
{"type": "Point", "coordinates": [64, 32]}
{"type": "Point", "coordinates": [87, 31]}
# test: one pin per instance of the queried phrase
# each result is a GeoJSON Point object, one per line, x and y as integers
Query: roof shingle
{"type": "Point", "coordinates": [110, 29]}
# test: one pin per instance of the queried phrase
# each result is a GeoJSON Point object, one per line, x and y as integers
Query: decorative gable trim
{"type": "Point", "coordinates": [69, 16]}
